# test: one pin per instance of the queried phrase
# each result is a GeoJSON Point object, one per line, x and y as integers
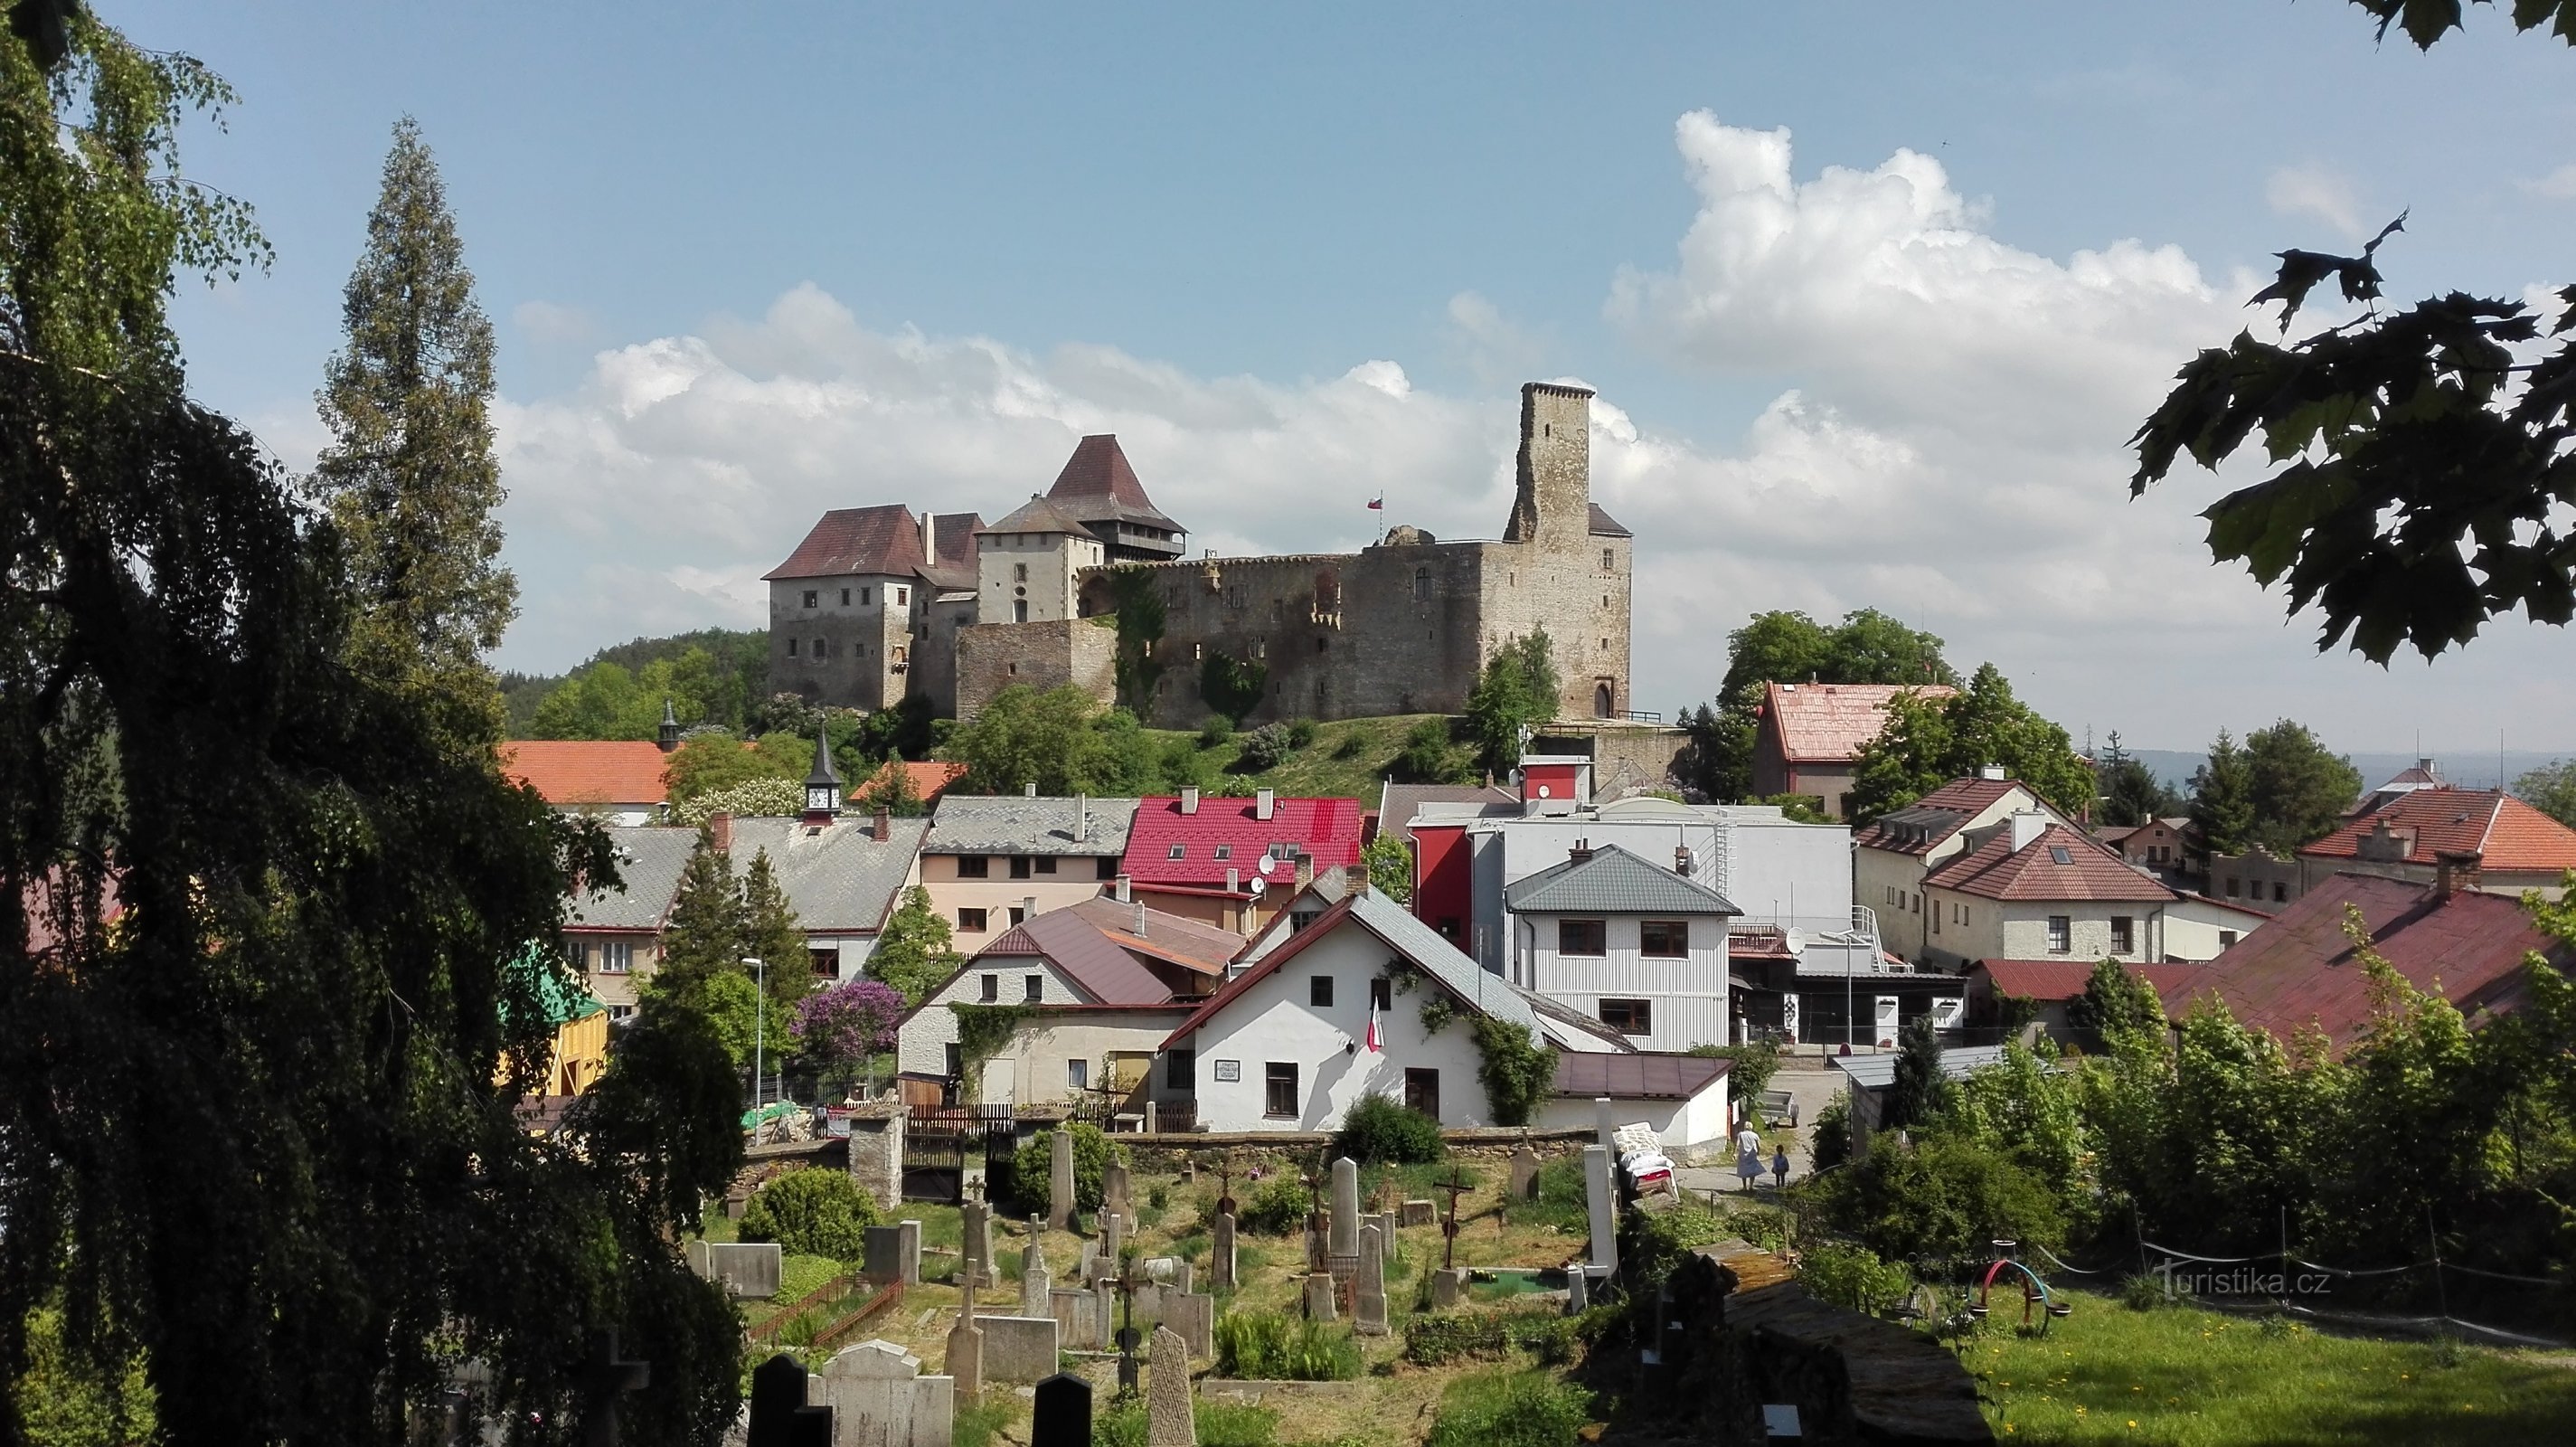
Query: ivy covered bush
{"type": "Point", "coordinates": [1378, 1129]}
{"type": "Point", "coordinates": [1032, 1168]}
{"type": "Point", "coordinates": [1517, 1072]}
{"type": "Point", "coordinates": [1277, 1206]}
{"type": "Point", "coordinates": [811, 1213]}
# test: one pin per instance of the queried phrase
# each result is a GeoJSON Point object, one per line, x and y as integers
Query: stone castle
{"type": "Point", "coordinates": [1090, 584]}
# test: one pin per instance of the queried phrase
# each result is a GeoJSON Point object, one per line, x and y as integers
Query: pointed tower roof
{"type": "Point", "coordinates": [1098, 484]}
{"type": "Point", "coordinates": [823, 772]}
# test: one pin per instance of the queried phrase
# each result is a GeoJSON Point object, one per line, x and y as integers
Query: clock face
{"type": "Point", "coordinates": [818, 798]}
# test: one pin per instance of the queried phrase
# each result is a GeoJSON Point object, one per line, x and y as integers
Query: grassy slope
{"type": "Point", "coordinates": [2186, 1377]}
{"type": "Point", "coordinates": [1348, 759]}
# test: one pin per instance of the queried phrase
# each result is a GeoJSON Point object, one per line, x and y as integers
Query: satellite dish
{"type": "Point", "coordinates": [1259, 885]}
{"type": "Point", "coordinates": [1795, 939]}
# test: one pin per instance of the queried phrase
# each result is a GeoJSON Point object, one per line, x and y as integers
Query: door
{"type": "Point", "coordinates": [1422, 1092]}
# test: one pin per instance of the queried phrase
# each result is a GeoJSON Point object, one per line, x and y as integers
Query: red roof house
{"type": "Point", "coordinates": [1218, 859]}
{"type": "Point", "coordinates": [2059, 864]}
{"type": "Point", "coordinates": [1811, 733]}
{"type": "Point", "coordinates": [2508, 845]}
{"type": "Point", "coordinates": [613, 774]}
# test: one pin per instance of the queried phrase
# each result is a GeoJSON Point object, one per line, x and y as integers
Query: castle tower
{"type": "Point", "coordinates": [1026, 565]}
{"type": "Point", "coordinates": [1553, 506]}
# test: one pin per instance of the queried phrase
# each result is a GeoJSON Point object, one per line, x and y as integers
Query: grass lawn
{"type": "Point", "coordinates": [1350, 758]}
{"type": "Point", "coordinates": [2182, 1376]}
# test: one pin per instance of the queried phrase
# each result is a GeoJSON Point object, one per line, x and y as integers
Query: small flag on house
{"type": "Point", "coordinates": [1378, 503]}
{"type": "Point", "coordinates": [1375, 1045]}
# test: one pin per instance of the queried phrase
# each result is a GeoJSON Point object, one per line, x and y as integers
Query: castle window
{"type": "Point", "coordinates": [1421, 584]}
{"type": "Point", "coordinates": [1019, 572]}
{"type": "Point", "coordinates": [1019, 610]}
{"type": "Point", "coordinates": [1319, 645]}
{"type": "Point", "coordinates": [1198, 652]}
{"type": "Point", "coordinates": [821, 648]}
{"type": "Point", "coordinates": [791, 647]}
{"type": "Point", "coordinates": [1606, 564]}
{"type": "Point", "coordinates": [812, 597]}
{"type": "Point", "coordinates": [845, 597]}
{"type": "Point", "coordinates": [902, 596]}
{"type": "Point", "coordinates": [863, 597]}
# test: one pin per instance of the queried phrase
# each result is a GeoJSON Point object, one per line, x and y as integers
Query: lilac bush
{"type": "Point", "coordinates": [850, 1021]}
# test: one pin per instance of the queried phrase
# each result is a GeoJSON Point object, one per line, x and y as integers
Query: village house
{"type": "Point", "coordinates": [2049, 987]}
{"type": "Point", "coordinates": [613, 938]}
{"type": "Point", "coordinates": [991, 862]}
{"type": "Point", "coordinates": [1638, 947]}
{"type": "Point", "coordinates": [1809, 737]}
{"type": "Point", "coordinates": [2162, 846]}
{"type": "Point", "coordinates": [1232, 862]}
{"type": "Point", "coordinates": [2034, 887]}
{"type": "Point", "coordinates": [1894, 853]}
{"type": "Point", "coordinates": [2506, 845]}
{"type": "Point", "coordinates": [619, 780]}
{"type": "Point", "coordinates": [1097, 986]}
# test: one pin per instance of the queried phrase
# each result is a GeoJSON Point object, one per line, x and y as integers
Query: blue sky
{"type": "Point", "coordinates": [750, 261]}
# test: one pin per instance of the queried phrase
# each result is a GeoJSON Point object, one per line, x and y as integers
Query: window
{"type": "Point", "coordinates": [974, 866]}
{"type": "Point", "coordinates": [619, 1014]}
{"type": "Point", "coordinates": [2234, 886]}
{"type": "Point", "coordinates": [1609, 560]}
{"type": "Point", "coordinates": [578, 953]}
{"type": "Point", "coordinates": [902, 596]}
{"type": "Point", "coordinates": [825, 964]}
{"type": "Point", "coordinates": [1381, 993]}
{"type": "Point", "coordinates": [2226, 937]}
{"type": "Point", "coordinates": [2060, 854]}
{"type": "Point", "coordinates": [971, 922]}
{"type": "Point", "coordinates": [1582, 937]}
{"type": "Point", "coordinates": [1077, 1074]}
{"type": "Point", "coordinates": [791, 648]}
{"type": "Point", "coordinates": [1181, 1070]}
{"type": "Point", "coordinates": [2061, 934]}
{"type": "Point", "coordinates": [1915, 903]}
{"type": "Point", "coordinates": [863, 597]}
{"type": "Point", "coordinates": [1663, 939]}
{"type": "Point", "coordinates": [1422, 585]}
{"type": "Point", "coordinates": [1033, 988]}
{"type": "Point", "coordinates": [812, 597]}
{"type": "Point", "coordinates": [1422, 1092]}
{"type": "Point", "coordinates": [1319, 991]}
{"type": "Point", "coordinates": [845, 597]}
{"type": "Point", "coordinates": [1046, 864]}
{"type": "Point", "coordinates": [1019, 610]}
{"type": "Point", "coordinates": [1019, 915]}
{"type": "Point", "coordinates": [1019, 866]}
{"type": "Point", "coordinates": [822, 649]}
{"type": "Point", "coordinates": [1283, 849]}
{"type": "Point", "coordinates": [992, 988]}
{"type": "Point", "coordinates": [1299, 919]}
{"type": "Point", "coordinates": [1107, 866]}
{"type": "Point", "coordinates": [1019, 572]}
{"type": "Point", "coordinates": [1279, 1090]}
{"type": "Point", "coordinates": [1224, 851]}
{"type": "Point", "coordinates": [2124, 934]}
{"type": "Point", "coordinates": [1629, 1017]}
{"type": "Point", "coordinates": [1179, 851]}
{"type": "Point", "coordinates": [2280, 894]}
{"type": "Point", "coordinates": [956, 1061]}
{"type": "Point", "coordinates": [616, 957]}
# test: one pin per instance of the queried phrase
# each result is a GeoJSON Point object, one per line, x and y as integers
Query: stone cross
{"type": "Point", "coordinates": [975, 1220]}
{"type": "Point", "coordinates": [1060, 1180]}
{"type": "Point", "coordinates": [1225, 1186]}
{"type": "Point", "coordinates": [1368, 1307]}
{"type": "Point", "coordinates": [1062, 1414]}
{"type": "Point", "coordinates": [1221, 1253]}
{"type": "Point", "coordinates": [1344, 1237]}
{"type": "Point", "coordinates": [1128, 1339]}
{"type": "Point", "coordinates": [603, 1380]}
{"type": "Point", "coordinates": [1113, 1237]}
{"type": "Point", "coordinates": [1456, 1185]}
{"type": "Point", "coordinates": [1035, 1280]}
{"type": "Point", "coordinates": [1168, 1422]}
{"type": "Point", "coordinates": [1313, 1185]}
{"type": "Point", "coordinates": [966, 1355]}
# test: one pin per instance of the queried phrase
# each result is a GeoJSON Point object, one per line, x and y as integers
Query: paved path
{"type": "Point", "coordinates": [1812, 1084]}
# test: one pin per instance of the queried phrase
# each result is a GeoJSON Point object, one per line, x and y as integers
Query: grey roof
{"type": "Point", "coordinates": [1398, 805]}
{"type": "Point", "coordinates": [1038, 515]}
{"type": "Point", "coordinates": [1878, 1072]}
{"type": "Point", "coordinates": [838, 878]}
{"type": "Point", "coordinates": [1093, 943]}
{"type": "Point", "coordinates": [650, 860]}
{"type": "Point", "coordinates": [1573, 1021]}
{"type": "Point", "coordinates": [1015, 824]}
{"type": "Point", "coordinates": [1612, 881]}
{"type": "Point", "coordinates": [1424, 946]}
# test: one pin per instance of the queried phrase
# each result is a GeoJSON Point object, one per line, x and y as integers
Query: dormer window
{"type": "Point", "coordinates": [1225, 851]}
{"type": "Point", "coordinates": [1179, 851]}
{"type": "Point", "coordinates": [2060, 854]}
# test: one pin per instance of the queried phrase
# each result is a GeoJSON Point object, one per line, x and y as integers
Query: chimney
{"type": "Point", "coordinates": [1233, 879]}
{"type": "Point", "coordinates": [2026, 827]}
{"type": "Point", "coordinates": [2457, 871]}
{"type": "Point", "coordinates": [1355, 877]}
{"type": "Point", "coordinates": [720, 829]}
{"type": "Point", "coordinates": [1137, 926]}
{"type": "Point", "coordinates": [1992, 771]}
{"type": "Point", "coordinates": [667, 737]}
{"type": "Point", "coordinates": [929, 537]}
{"type": "Point", "coordinates": [1082, 818]}
{"type": "Point", "coordinates": [1126, 888]}
{"type": "Point", "coordinates": [1029, 908]}
{"type": "Point", "coordinates": [1190, 799]}
{"type": "Point", "coordinates": [1030, 790]}
{"type": "Point", "coordinates": [1682, 860]}
{"type": "Point", "coordinates": [1264, 804]}
{"type": "Point", "coordinates": [1581, 851]}
{"type": "Point", "coordinates": [1305, 869]}
{"type": "Point", "coordinates": [884, 824]}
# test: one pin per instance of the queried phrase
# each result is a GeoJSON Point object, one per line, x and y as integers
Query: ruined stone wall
{"type": "Point", "coordinates": [934, 657]}
{"type": "Point", "coordinates": [993, 656]}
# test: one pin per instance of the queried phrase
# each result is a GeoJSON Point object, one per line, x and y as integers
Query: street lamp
{"type": "Point", "coordinates": [759, 1021]}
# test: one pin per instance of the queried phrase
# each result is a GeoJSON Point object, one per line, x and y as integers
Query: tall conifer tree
{"type": "Point", "coordinates": [705, 934]}
{"type": "Point", "coordinates": [770, 932]}
{"type": "Point", "coordinates": [409, 477]}
{"type": "Point", "coordinates": [2222, 798]}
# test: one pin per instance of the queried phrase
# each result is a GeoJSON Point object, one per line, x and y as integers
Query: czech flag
{"type": "Point", "coordinates": [1378, 503]}
{"type": "Point", "coordinates": [1375, 1045]}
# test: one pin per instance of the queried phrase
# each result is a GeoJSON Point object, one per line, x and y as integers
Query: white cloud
{"type": "Point", "coordinates": [551, 323]}
{"type": "Point", "coordinates": [2315, 192]}
{"type": "Point", "coordinates": [1495, 349]}
{"type": "Point", "coordinates": [2558, 185]}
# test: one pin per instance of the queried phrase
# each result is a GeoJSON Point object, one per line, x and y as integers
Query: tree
{"type": "Point", "coordinates": [2299, 791]}
{"type": "Point", "coordinates": [2423, 467]}
{"type": "Point", "coordinates": [891, 788]}
{"type": "Point", "coordinates": [266, 1014]}
{"type": "Point", "coordinates": [409, 477]}
{"type": "Point", "coordinates": [770, 933]}
{"type": "Point", "coordinates": [2222, 799]}
{"type": "Point", "coordinates": [1784, 647]}
{"type": "Point", "coordinates": [704, 935]}
{"type": "Point", "coordinates": [2116, 1002]}
{"type": "Point", "coordinates": [711, 763]}
{"type": "Point", "coordinates": [1390, 867]}
{"type": "Point", "coordinates": [1025, 737]}
{"type": "Point", "coordinates": [1428, 757]}
{"type": "Point", "coordinates": [1927, 742]}
{"type": "Point", "coordinates": [848, 1023]}
{"type": "Point", "coordinates": [2551, 789]}
{"type": "Point", "coordinates": [1921, 1094]}
{"type": "Point", "coordinates": [2130, 791]}
{"type": "Point", "coordinates": [913, 952]}
{"type": "Point", "coordinates": [1518, 691]}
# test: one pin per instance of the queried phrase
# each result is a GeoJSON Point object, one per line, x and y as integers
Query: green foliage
{"type": "Point", "coordinates": [2114, 1000]}
{"type": "Point", "coordinates": [61, 1400]}
{"type": "Point", "coordinates": [1518, 691]}
{"type": "Point", "coordinates": [2131, 792]}
{"type": "Point", "coordinates": [1437, 1341]}
{"type": "Point", "coordinates": [1829, 1139]}
{"type": "Point", "coordinates": [1943, 1198]}
{"type": "Point", "coordinates": [1928, 742]}
{"type": "Point", "coordinates": [715, 763]}
{"type": "Point", "coordinates": [1497, 1409]}
{"type": "Point", "coordinates": [1276, 1207]}
{"type": "Point", "coordinates": [1516, 1070]}
{"type": "Point", "coordinates": [1921, 1092]}
{"type": "Point", "coordinates": [1379, 1128]}
{"type": "Point", "coordinates": [2300, 791]}
{"type": "Point", "coordinates": [1024, 737]}
{"type": "Point", "coordinates": [1438, 1010]}
{"type": "Point", "coordinates": [889, 787]}
{"type": "Point", "coordinates": [1653, 1243]}
{"type": "Point", "coordinates": [1232, 686]}
{"type": "Point", "coordinates": [1141, 617]}
{"type": "Point", "coordinates": [1782, 647]}
{"type": "Point", "coordinates": [2551, 789]}
{"type": "Point", "coordinates": [1268, 1347]}
{"type": "Point", "coordinates": [1265, 748]}
{"type": "Point", "coordinates": [1215, 731]}
{"type": "Point", "coordinates": [1751, 1073]}
{"type": "Point", "coordinates": [1853, 1276]}
{"type": "Point", "coordinates": [815, 1212]}
{"type": "Point", "coordinates": [1032, 1164]}
{"type": "Point", "coordinates": [914, 952]}
{"type": "Point", "coordinates": [1430, 758]}
{"type": "Point", "coordinates": [1215, 1424]}
{"type": "Point", "coordinates": [1390, 867]}
{"type": "Point", "coordinates": [1798, 808]}
{"type": "Point", "coordinates": [1562, 1200]}
{"type": "Point", "coordinates": [2222, 798]}
{"type": "Point", "coordinates": [721, 685]}
{"type": "Point", "coordinates": [982, 1033]}
{"type": "Point", "coordinates": [2033, 1115]}
{"type": "Point", "coordinates": [770, 798]}
{"type": "Point", "coordinates": [771, 934]}
{"type": "Point", "coordinates": [1301, 733]}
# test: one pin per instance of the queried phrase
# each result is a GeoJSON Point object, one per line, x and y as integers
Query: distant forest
{"type": "Point", "coordinates": [712, 676]}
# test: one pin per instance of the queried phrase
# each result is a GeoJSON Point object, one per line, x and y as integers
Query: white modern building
{"type": "Point", "coordinates": [1631, 943]}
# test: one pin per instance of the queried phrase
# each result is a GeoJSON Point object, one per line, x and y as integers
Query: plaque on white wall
{"type": "Point", "coordinates": [1229, 1070]}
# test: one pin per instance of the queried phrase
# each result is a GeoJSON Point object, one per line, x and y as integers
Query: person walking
{"type": "Point", "coordinates": [1780, 1166]}
{"type": "Point", "coordinates": [1748, 1154]}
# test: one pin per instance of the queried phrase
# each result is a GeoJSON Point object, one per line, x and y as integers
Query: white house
{"type": "Point", "coordinates": [1893, 854]}
{"type": "Point", "coordinates": [1637, 946]}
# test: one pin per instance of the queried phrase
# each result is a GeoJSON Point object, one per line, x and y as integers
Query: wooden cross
{"type": "Point", "coordinates": [604, 1378]}
{"type": "Point", "coordinates": [1128, 1338]}
{"type": "Point", "coordinates": [1225, 1184]}
{"type": "Point", "coordinates": [1455, 1185]}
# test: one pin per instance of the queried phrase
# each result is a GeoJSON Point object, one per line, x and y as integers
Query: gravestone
{"type": "Point", "coordinates": [1018, 1349]}
{"type": "Point", "coordinates": [1194, 1317]}
{"type": "Point", "coordinates": [1342, 1232]}
{"type": "Point", "coordinates": [1415, 1213]}
{"type": "Point", "coordinates": [1159, 1268]}
{"type": "Point", "coordinates": [1524, 1185]}
{"type": "Point", "coordinates": [1185, 1277]}
{"type": "Point", "coordinates": [1221, 1253]}
{"type": "Point", "coordinates": [1036, 1282]}
{"type": "Point", "coordinates": [893, 1253]}
{"type": "Point", "coordinates": [605, 1378]}
{"type": "Point", "coordinates": [1113, 1238]}
{"type": "Point", "coordinates": [1448, 1287]}
{"type": "Point", "coordinates": [742, 1268]}
{"type": "Point", "coordinates": [1605, 1208]}
{"type": "Point", "coordinates": [1077, 1321]}
{"type": "Point", "coordinates": [1089, 1266]}
{"type": "Point", "coordinates": [1060, 1179]}
{"type": "Point", "coordinates": [1578, 1289]}
{"type": "Point", "coordinates": [966, 1357]}
{"type": "Point", "coordinates": [1061, 1416]}
{"type": "Point", "coordinates": [1608, 1127]}
{"type": "Point", "coordinates": [1368, 1304]}
{"type": "Point", "coordinates": [975, 1220]}
{"type": "Point", "coordinates": [1104, 1310]}
{"type": "Point", "coordinates": [780, 1415]}
{"type": "Point", "coordinates": [879, 1398]}
{"type": "Point", "coordinates": [1114, 1189]}
{"type": "Point", "coordinates": [1168, 1422]}
{"type": "Point", "coordinates": [1319, 1297]}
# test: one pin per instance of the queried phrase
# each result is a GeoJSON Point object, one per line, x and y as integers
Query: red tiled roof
{"type": "Point", "coordinates": [1996, 870]}
{"type": "Point", "coordinates": [1091, 944]}
{"type": "Point", "coordinates": [1097, 482]}
{"type": "Point", "coordinates": [1635, 1075]}
{"type": "Point", "coordinates": [2301, 970]}
{"type": "Point", "coordinates": [1965, 798]}
{"type": "Point", "coordinates": [880, 540]}
{"type": "Point", "coordinates": [953, 534]}
{"type": "Point", "coordinates": [1828, 723]}
{"type": "Point", "coordinates": [588, 771]}
{"type": "Point", "coordinates": [1328, 829]}
{"type": "Point", "coordinates": [2049, 980]}
{"type": "Point", "coordinates": [930, 778]}
{"type": "Point", "coordinates": [2512, 835]}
